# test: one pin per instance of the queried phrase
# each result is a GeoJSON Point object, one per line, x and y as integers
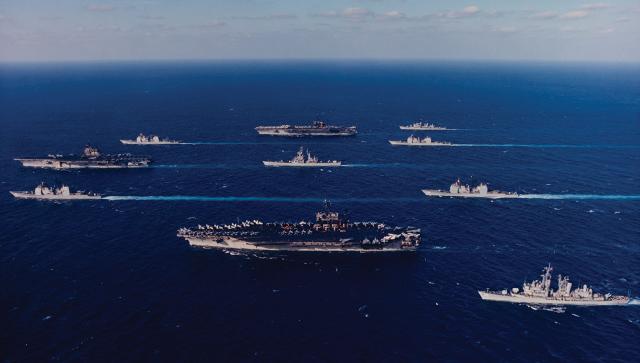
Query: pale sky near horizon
{"type": "Point", "coordinates": [54, 30]}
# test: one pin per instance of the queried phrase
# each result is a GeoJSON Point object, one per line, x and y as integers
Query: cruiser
{"type": "Point", "coordinates": [421, 126]}
{"type": "Point", "coordinates": [300, 161]}
{"type": "Point", "coordinates": [317, 128]}
{"type": "Point", "coordinates": [63, 193]}
{"type": "Point", "coordinates": [149, 140]}
{"type": "Point", "coordinates": [416, 141]}
{"type": "Point", "coordinates": [91, 158]}
{"type": "Point", "coordinates": [458, 189]}
{"type": "Point", "coordinates": [331, 232]}
{"type": "Point", "coordinates": [539, 292]}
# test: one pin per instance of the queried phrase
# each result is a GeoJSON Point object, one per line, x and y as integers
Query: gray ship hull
{"type": "Point", "coordinates": [404, 143]}
{"type": "Point", "coordinates": [134, 142]}
{"type": "Point", "coordinates": [489, 195]}
{"type": "Point", "coordinates": [62, 164]}
{"type": "Point", "coordinates": [232, 243]}
{"type": "Point", "coordinates": [522, 299]}
{"type": "Point", "coordinates": [301, 165]}
{"type": "Point", "coordinates": [28, 195]}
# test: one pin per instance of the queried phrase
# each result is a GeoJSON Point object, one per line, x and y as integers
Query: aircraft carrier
{"type": "Point", "coordinates": [317, 128]}
{"type": "Point", "coordinates": [331, 232]}
{"type": "Point", "coordinates": [91, 158]}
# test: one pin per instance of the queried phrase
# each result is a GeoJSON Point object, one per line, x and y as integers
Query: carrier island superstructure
{"type": "Point", "coordinates": [331, 232]}
{"type": "Point", "coordinates": [91, 158]}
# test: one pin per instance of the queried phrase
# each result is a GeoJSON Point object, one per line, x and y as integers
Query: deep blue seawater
{"type": "Point", "coordinates": [110, 281]}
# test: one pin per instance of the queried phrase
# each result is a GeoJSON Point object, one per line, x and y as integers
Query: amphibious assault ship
{"type": "Point", "coordinates": [460, 190]}
{"type": "Point", "coordinates": [421, 126]}
{"type": "Point", "coordinates": [142, 139]}
{"type": "Point", "coordinates": [539, 292]}
{"type": "Point", "coordinates": [62, 193]}
{"type": "Point", "coordinates": [300, 161]}
{"type": "Point", "coordinates": [317, 128]}
{"type": "Point", "coordinates": [416, 141]}
{"type": "Point", "coordinates": [91, 158]}
{"type": "Point", "coordinates": [331, 232]}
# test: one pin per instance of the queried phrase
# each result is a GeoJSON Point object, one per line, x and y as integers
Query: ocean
{"type": "Point", "coordinates": [109, 280]}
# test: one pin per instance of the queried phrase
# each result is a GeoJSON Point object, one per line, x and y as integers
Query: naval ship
{"type": "Point", "coordinates": [416, 141]}
{"type": "Point", "coordinates": [421, 126]}
{"type": "Point", "coordinates": [43, 192]}
{"type": "Point", "coordinates": [142, 139]}
{"type": "Point", "coordinates": [458, 189]}
{"type": "Point", "coordinates": [300, 161]}
{"type": "Point", "coordinates": [317, 128]}
{"type": "Point", "coordinates": [91, 158]}
{"type": "Point", "coordinates": [539, 292]}
{"type": "Point", "coordinates": [331, 232]}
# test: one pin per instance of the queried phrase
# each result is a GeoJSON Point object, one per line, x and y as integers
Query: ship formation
{"type": "Point", "coordinates": [91, 158]}
{"type": "Point", "coordinates": [539, 292]}
{"type": "Point", "coordinates": [43, 192]}
{"type": "Point", "coordinates": [416, 141]}
{"type": "Point", "coordinates": [421, 126]}
{"type": "Point", "coordinates": [331, 232]}
{"type": "Point", "coordinates": [150, 140]}
{"type": "Point", "coordinates": [317, 128]}
{"type": "Point", "coordinates": [457, 189]}
{"type": "Point", "coordinates": [301, 161]}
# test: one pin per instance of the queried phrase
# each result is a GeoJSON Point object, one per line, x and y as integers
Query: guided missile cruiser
{"type": "Point", "coordinates": [91, 158]}
{"type": "Point", "coordinates": [317, 128]}
{"type": "Point", "coordinates": [421, 126]}
{"type": "Point", "coordinates": [142, 139]}
{"type": "Point", "coordinates": [416, 141]}
{"type": "Point", "coordinates": [331, 232]}
{"type": "Point", "coordinates": [300, 161]}
{"type": "Point", "coordinates": [457, 189]}
{"type": "Point", "coordinates": [43, 192]}
{"type": "Point", "coordinates": [539, 292]}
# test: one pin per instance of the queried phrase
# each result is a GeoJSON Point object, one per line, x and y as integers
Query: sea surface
{"type": "Point", "coordinates": [109, 280]}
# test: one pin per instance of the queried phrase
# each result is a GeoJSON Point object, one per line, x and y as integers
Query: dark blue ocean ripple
{"type": "Point", "coordinates": [109, 280]}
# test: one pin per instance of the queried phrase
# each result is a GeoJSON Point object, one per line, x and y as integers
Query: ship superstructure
{"type": "Point", "coordinates": [416, 141]}
{"type": "Point", "coordinates": [331, 232]}
{"type": "Point", "coordinates": [91, 158]}
{"type": "Point", "coordinates": [62, 193]}
{"type": "Point", "coordinates": [301, 161]}
{"type": "Point", "coordinates": [422, 126]}
{"type": "Point", "coordinates": [539, 292]}
{"type": "Point", "coordinates": [317, 128]}
{"type": "Point", "coordinates": [142, 139]}
{"type": "Point", "coordinates": [458, 189]}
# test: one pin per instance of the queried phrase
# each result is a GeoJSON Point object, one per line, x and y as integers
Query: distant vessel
{"type": "Point", "coordinates": [149, 140]}
{"type": "Point", "coordinates": [416, 141]}
{"type": "Point", "coordinates": [91, 158]}
{"type": "Point", "coordinates": [317, 128]}
{"type": "Point", "coordinates": [421, 126]}
{"type": "Point", "coordinates": [539, 292]}
{"type": "Point", "coordinates": [458, 189]}
{"type": "Point", "coordinates": [62, 193]}
{"type": "Point", "coordinates": [300, 161]}
{"type": "Point", "coordinates": [331, 232]}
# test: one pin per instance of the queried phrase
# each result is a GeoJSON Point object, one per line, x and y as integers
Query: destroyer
{"type": "Point", "coordinates": [416, 141]}
{"type": "Point", "coordinates": [300, 161]}
{"type": "Point", "coordinates": [458, 189]}
{"type": "Point", "coordinates": [331, 232]}
{"type": "Point", "coordinates": [91, 158]}
{"type": "Point", "coordinates": [421, 126]}
{"type": "Point", "coordinates": [539, 292]}
{"type": "Point", "coordinates": [149, 140]}
{"type": "Point", "coordinates": [63, 193]}
{"type": "Point", "coordinates": [317, 128]}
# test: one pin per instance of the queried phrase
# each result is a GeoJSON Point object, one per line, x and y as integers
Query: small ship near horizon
{"type": "Point", "coordinates": [91, 158]}
{"type": "Point", "coordinates": [416, 141]}
{"type": "Point", "coordinates": [457, 189]}
{"type": "Point", "coordinates": [317, 128]}
{"type": "Point", "coordinates": [142, 139]}
{"type": "Point", "coordinates": [331, 232]}
{"type": "Point", "coordinates": [539, 292]}
{"type": "Point", "coordinates": [43, 192]}
{"type": "Point", "coordinates": [421, 126]}
{"type": "Point", "coordinates": [300, 161]}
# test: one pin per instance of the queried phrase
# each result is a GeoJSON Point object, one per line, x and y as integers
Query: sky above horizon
{"type": "Point", "coordinates": [46, 30]}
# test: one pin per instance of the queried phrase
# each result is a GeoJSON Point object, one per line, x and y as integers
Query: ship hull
{"type": "Point", "coordinates": [27, 195]}
{"type": "Point", "coordinates": [61, 164]}
{"type": "Point", "coordinates": [404, 143]}
{"type": "Point", "coordinates": [134, 142]}
{"type": "Point", "coordinates": [423, 128]}
{"type": "Point", "coordinates": [490, 195]}
{"type": "Point", "coordinates": [231, 243]}
{"type": "Point", "coordinates": [300, 165]}
{"type": "Point", "coordinates": [519, 299]}
{"type": "Point", "coordinates": [293, 133]}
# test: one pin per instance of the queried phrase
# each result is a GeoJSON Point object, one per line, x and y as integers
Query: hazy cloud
{"type": "Point", "coordinates": [596, 6]}
{"type": "Point", "coordinates": [100, 8]}
{"type": "Point", "coordinates": [575, 14]}
{"type": "Point", "coordinates": [267, 17]}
